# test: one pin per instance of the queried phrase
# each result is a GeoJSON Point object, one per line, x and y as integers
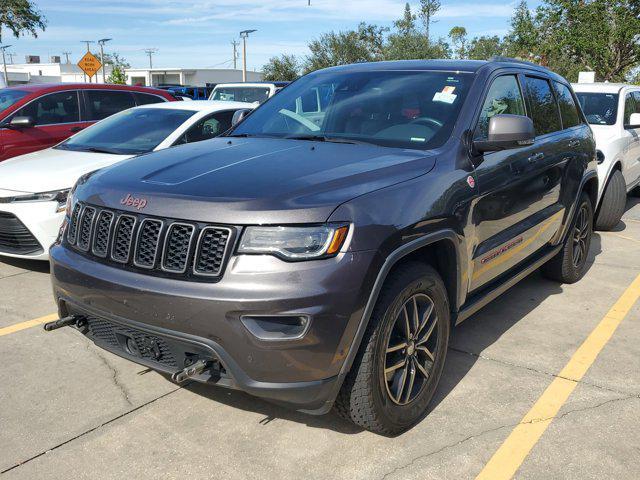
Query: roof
{"type": "Point", "coordinates": [41, 87]}
{"type": "Point", "coordinates": [601, 87]}
{"type": "Point", "coordinates": [200, 105]}
{"type": "Point", "coordinates": [251, 84]}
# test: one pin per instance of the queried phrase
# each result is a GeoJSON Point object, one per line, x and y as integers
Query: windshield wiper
{"type": "Point", "coordinates": [101, 150]}
{"type": "Point", "coordinates": [324, 138]}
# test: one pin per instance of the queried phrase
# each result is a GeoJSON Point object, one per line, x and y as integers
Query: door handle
{"type": "Point", "coordinates": [75, 129]}
{"type": "Point", "coordinates": [574, 143]}
{"type": "Point", "coordinates": [535, 157]}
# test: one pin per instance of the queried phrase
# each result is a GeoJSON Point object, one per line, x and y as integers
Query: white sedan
{"type": "Point", "coordinates": [613, 111]}
{"type": "Point", "coordinates": [34, 187]}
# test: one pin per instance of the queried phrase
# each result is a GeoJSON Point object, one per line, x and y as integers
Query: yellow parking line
{"type": "Point", "coordinates": [28, 324]}
{"type": "Point", "coordinates": [515, 449]}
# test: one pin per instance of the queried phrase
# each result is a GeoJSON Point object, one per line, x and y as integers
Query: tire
{"type": "Point", "coordinates": [379, 401]}
{"type": "Point", "coordinates": [636, 192]}
{"type": "Point", "coordinates": [613, 202]}
{"type": "Point", "coordinates": [569, 265]}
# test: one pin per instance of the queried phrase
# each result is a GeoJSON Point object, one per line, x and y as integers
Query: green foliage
{"type": "Point", "coordinates": [458, 37]}
{"type": "Point", "coordinates": [118, 65]}
{"type": "Point", "coordinates": [428, 9]}
{"type": "Point", "coordinates": [485, 47]}
{"type": "Point", "coordinates": [341, 48]}
{"type": "Point", "coordinates": [20, 17]}
{"type": "Point", "coordinates": [285, 67]}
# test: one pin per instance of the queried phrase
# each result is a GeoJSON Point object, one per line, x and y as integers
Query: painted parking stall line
{"type": "Point", "coordinates": [16, 327]}
{"type": "Point", "coordinates": [515, 449]}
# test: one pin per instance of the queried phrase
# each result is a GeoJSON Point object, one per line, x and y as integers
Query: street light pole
{"type": "Point", "coordinates": [4, 65]}
{"type": "Point", "coordinates": [244, 35]}
{"type": "Point", "coordinates": [101, 42]}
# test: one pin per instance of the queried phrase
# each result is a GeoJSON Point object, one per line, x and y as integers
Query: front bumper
{"type": "Point", "coordinates": [41, 220]}
{"type": "Point", "coordinates": [204, 318]}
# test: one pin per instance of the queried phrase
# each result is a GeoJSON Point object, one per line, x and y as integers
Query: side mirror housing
{"type": "Point", "coordinates": [506, 132]}
{"type": "Point", "coordinates": [634, 121]}
{"type": "Point", "coordinates": [239, 115]}
{"type": "Point", "coordinates": [21, 122]}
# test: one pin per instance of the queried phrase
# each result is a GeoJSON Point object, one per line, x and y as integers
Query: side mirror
{"type": "Point", "coordinates": [505, 132]}
{"type": "Point", "coordinates": [634, 121]}
{"type": "Point", "coordinates": [239, 115]}
{"type": "Point", "coordinates": [21, 122]}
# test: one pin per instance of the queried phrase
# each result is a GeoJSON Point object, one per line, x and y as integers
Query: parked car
{"type": "Point", "coordinates": [613, 111]}
{"type": "Point", "coordinates": [246, 92]}
{"type": "Point", "coordinates": [325, 263]}
{"type": "Point", "coordinates": [37, 116]}
{"type": "Point", "coordinates": [34, 187]}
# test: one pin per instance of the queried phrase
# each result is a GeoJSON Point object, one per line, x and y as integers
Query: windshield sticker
{"type": "Point", "coordinates": [418, 139]}
{"type": "Point", "coordinates": [448, 89]}
{"type": "Point", "coordinates": [444, 97]}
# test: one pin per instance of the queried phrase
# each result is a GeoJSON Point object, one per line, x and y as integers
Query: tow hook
{"type": "Point", "coordinates": [190, 371]}
{"type": "Point", "coordinates": [76, 320]}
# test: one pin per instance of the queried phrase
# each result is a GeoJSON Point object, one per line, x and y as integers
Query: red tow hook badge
{"type": "Point", "coordinates": [471, 181]}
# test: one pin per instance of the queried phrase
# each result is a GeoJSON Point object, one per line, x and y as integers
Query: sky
{"type": "Point", "coordinates": [199, 33]}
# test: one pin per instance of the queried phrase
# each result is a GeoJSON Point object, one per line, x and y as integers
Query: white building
{"type": "Point", "coordinates": [197, 77]}
{"type": "Point", "coordinates": [50, 73]}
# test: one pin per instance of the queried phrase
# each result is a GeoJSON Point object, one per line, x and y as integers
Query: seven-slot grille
{"type": "Point", "coordinates": [161, 246]}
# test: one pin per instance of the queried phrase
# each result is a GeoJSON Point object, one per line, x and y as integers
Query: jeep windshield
{"type": "Point", "coordinates": [406, 109]}
{"type": "Point", "coordinates": [599, 108]}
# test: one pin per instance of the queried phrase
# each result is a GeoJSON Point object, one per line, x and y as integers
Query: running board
{"type": "Point", "coordinates": [492, 294]}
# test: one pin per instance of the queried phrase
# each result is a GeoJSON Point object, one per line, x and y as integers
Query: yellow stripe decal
{"type": "Point", "coordinates": [515, 449]}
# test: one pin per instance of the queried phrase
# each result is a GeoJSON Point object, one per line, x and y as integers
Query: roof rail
{"type": "Point", "coordinates": [500, 58]}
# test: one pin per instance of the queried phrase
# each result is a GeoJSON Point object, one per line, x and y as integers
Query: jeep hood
{"type": "Point", "coordinates": [253, 180]}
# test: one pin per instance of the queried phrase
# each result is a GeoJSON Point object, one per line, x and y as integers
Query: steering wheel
{"type": "Point", "coordinates": [427, 121]}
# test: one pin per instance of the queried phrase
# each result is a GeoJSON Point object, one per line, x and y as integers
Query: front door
{"type": "Point", "coordinates": [55, 116]}
{"type": "Point", "coordinates": [631, 135]}
{"type": "Point", "coordinates": [518, 210]}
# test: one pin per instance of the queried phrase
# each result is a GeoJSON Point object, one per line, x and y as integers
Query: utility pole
{"type": "Point", "coordinates": [11, 55]}
{"type": "Point", "coordinates": [4, 65]}
{"type": "Point", "coordinates": [150, 52]}
{"type": "Point", "coordinates": [88, 42]}
{"type": "Point", "coordinates": [235, 44]}
{"type": "Point", "coordinates": [66, 54]}
{"type": "Point", "coordinates": [101, 42]}
{"type": "Point", "coordinates": [244, 35]}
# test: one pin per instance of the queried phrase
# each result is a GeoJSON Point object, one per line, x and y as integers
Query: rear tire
{"type": "Point", "coordinates": [569, 265]}
{"type": "Point", "coordinates": [378, 395]}
{"type": "Point", "coordinates": [613, 202]}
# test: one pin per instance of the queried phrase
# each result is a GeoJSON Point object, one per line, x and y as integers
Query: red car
{"type": "Point", "coordinates": [33, 117]}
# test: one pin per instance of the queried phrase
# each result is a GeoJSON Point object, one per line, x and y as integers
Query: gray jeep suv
{"type": "Point", "coordinates": [320, 253]}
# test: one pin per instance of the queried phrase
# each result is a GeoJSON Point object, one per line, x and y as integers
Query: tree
{"type": "Point", "coordinates": [20, 17]}
{"type": "Point", "coordinates": [118, 66]}
{"type": "Point", "coordinates": [284, 67]}
{"type": "Point", "coordinates": [458, 37]}
{"type": "Point", "coordinates": [600, 35]}
{"type": "Point", "coordinates": [407, 24]}
{"type": "Point", "coordinates": [428, 9]}
{"type": "Point", "coordinates": [523, 40]}
{"type": "Point", "coordinates": [485, 47]}
{"type": "Point", "coordinates": [365, 44]}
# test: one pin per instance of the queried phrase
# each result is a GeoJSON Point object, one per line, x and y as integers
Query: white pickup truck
{"type": "Point", "coordinates": [613, 111]}
{"type": "Point", "coordinates": [246, 92]}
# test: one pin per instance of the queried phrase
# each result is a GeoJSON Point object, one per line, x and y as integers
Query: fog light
{"type": "Point", "coordinates": [276, 327]}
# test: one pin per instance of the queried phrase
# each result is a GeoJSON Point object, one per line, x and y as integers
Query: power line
{"type": "Point", "coordinates": [150, 52]}
{"type": "Point", "coordinates": [66, 54]}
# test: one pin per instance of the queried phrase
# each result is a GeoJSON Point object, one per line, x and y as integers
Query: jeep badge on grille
{"type": "Point", "coordinates": [129, 201]}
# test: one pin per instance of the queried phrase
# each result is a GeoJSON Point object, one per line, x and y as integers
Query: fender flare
{"type": "Point", "coordinates": [395, 256]}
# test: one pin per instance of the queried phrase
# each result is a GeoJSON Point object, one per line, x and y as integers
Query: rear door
{"type": "Point", "coordinates": [518, 210]}
{"type": "Point", "coordinates": [100, 104]}
{"type": "Point", "coordinates": [631, 133]}
{"type": "Point", "coordinates": [56, 116]}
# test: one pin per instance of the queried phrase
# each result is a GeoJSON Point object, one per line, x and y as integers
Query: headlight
{"type": "Point", "coordinates": [59, 196]}
{"type": "Point", "coordinates": [294, 243]}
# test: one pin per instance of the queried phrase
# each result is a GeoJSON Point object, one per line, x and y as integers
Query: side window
{"type": "Point", "coordinates": [145, 98]}
{"type": "Point", "coordinates": [208, 127]}
{"type": "Point", "coordinates": [103, 103]}
{"type": "Point", "coordinates": [544, 109]}
{"type": "Point", "coordinates": [504, 96]}
{"type": "Point", "coordinates": [631, 105]}
{"type": "Point", "coordinates": [568, 110]}
{"type": "Point", "coordinates": [54, 108]}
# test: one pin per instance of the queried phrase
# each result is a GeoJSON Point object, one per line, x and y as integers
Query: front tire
{"type": "Point", "coordinates": [613, 202]}
{"type": "Point", "coordinates": [569, 265]}
{"type": "Point", "coordinates": [400, 361]}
